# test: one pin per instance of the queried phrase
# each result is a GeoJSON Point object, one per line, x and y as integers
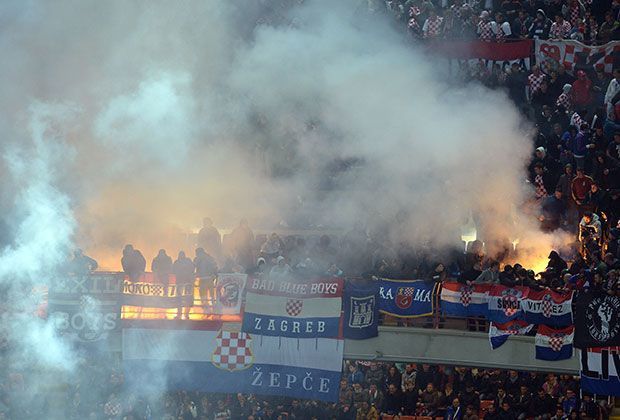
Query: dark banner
{"type": "Point", "coordinates": [86, 307]}
{"type": "Point", "coordinates": [596, 320]}
{"type": "Point", "coordinates": [361, 310]}
{"type": "Point", "coordinates": [407, 298]}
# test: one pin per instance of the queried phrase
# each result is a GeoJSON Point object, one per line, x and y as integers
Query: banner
{"type": "Point", "coordinates": [293, 309]}
{"type": "Point", "coordinates": [462, 300]}
{"type": "Point", "coordinates": [218, 297]}
{"type": "Point", "coordinates": [548, 308]}
{"type": "Point", "coordinates": [575, 56]}
{"type": "Point", "coordinates": [150, 294]}
{"type": "Point", "coordinates": [554, 344]}
{"type": "Point", "coordinates": [499, 333]}
{"type": "Point", "coordinates": [599, 371]}
{"type": "Point", "coordinates": [507, 51]}
{"type": "Point", "coordinates": [596, 320]}
{"type": "Point", "coordinates": [361, 310]}
{"type": "Point", "coordinates": [505, 303]}
{"type": "Point", "coordinates": [407, 298]}
{"type": "Point", "coordinates": [86, 307]}
{"type": "Point", "coordinates": [222, 361]}
{"type": "Point", "coordinates": [229, 288]}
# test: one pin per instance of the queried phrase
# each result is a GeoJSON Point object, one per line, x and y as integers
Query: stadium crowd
{"type": "Point", "coordinates": [367, 391]}
{"type": "Point", "coordinates": [587, 21]}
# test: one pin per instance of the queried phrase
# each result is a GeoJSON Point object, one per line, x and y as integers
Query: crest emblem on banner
{"type": "Point", "coordinates": [547, 306]}
{"type": "Point", "coordinates": [602, 315]}
{"type": "Point", "coordinates": [233, 351]}
{"type": "Point", "coordinates": [362, 312]}
{"type": "Point", "coordinates": [466, 292]}
{"type": "Point", "coordinates": [229, 291]}
{"type": "Point", "coordinates": [510, 301]}
{"type": "Point", "coordinates": [294, 306]}
{"type": "Point", "coordinates": [556, 341]}
{"type": "Point", "coordinates": [404, 297]}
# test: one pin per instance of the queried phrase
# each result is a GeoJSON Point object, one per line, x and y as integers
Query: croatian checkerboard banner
{"type": "Point", "coordinates": [293, 309]}
{"type": "Point", "coordinates": [407, 298]}
{"type": "Point", "coordinates": [459, 299]}
{"type": "Point", "coordinates": [547, 307]}
{"type": "Point", "coordinates": [575, 56]}
{"type": "Point", "coordinates": [499, 333]}
{"type": "Point", "coordinates": [505, 303]}
{"type": "Point", "coordinates": [554, 344]}
{"type": "Point", "coordinates": [599, 370]}
{"type": "Point", "coordinates": [212, 358]}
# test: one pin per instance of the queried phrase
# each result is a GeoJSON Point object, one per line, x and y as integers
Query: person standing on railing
{"type": "Point", "coordinates": [183, 269]}
{"type": "Point", "coordinates": [133, 263]}
{"type": "Point", "coordinates": [206, 271]}
{"type": "Point", "coordinates": [161, 266]}
{"type": "Point", "coordinates": [82, 264]}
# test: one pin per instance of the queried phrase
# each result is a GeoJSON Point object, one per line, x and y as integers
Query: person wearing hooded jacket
{"type": "Point", "coordinates": [541, 26]}
{"type": "Point", "coordinates": [556, 262]}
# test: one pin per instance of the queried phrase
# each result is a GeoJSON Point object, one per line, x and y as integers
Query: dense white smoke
{"type": "Point", "coordinates": [237, 109]}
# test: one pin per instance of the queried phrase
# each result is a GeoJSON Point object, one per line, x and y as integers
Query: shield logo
{"type": "Point", "coordinates": [362, 312]}
{"type": "Point", "coordinates": [294, 306]}
{"type": "Point", "coordinates": [404, 297]}
{"type": "Point", "coordinates": [556, 341]}
{"type": "Point", "coordinates": [510, 301]}
{"type": "Point", "coordinates": [547, 306]}
{"type": "Point", "coordinates": [233, 351]}
{"type": "Point", "coordinates": [466, 292]}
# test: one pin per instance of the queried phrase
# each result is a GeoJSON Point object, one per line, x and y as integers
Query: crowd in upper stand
{"type": "Point", "coordinates": [588, 21]}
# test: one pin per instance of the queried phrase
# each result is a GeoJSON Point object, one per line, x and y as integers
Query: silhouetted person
{"type": "Point", "coordinates": [183, 269]}
{"type": "Point", "coordinates": [162, 268]}
{"type": "Point", "coordinates": [133, 263]}
{"type": "Point", "coordinates": [82, 264]}
{"type": "Point", "coordinates": [206, 271]}
{"type": "Point", "coordinates": [209, 239]}
{"type": "Point", "coordinates": [242, 239]}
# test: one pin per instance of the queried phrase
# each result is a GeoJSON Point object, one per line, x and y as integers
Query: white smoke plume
{"type": "Point", "coordinates": [238, 109]}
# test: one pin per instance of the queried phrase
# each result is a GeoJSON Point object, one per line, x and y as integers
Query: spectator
{"type": "Point", "coordinates": [534, 81]}
{"type": "Point", "coordinates": [133, 263]}
{"type": "Point", "coordinates": [355, 376]}
{"type": "Point", "coordinates": [560, 29]}
{"type": "Point", "coordinates": [580, 186]}
{"type": "Point", "coordinates": [375, 375]}
{"type": "Point", "coordinates": [565, 101]}
{"type": "Point", "coordinates": [430, 400]}
{"type": "Point", "coordinates": [375, 397]}
{"type": "Point", "coordinates": [432, 25]}
{"type": "Point", "coordinates": [161, 266]}
{"type": "Point", "coordinates": [206, 271]}
{"type": "Point", "coordinates": [454, 411]}
{"type": "Point", "coordinates": [82, 264]}
{"type": "Point", "coordinates": [242, 241]}
{"type": "Point", "coordinates": [408, 375]}
{"type": "Point", "coordinates": [610, 29]}
{"type": "Point", "coordinates": [553, 210]}
{"type": "Point", "coordinates": [209, 239]}
{"type": "Point", "coordinates": [541, 26]}
{"type": "Point", "coordinates": [280, 271]}
{"type": "Point", "coordinates": [410, 399]}
{"type": "Point", "coordinates": [582, 91]}
{"type": "Point", "coordinates": [183, 269]}
{"type": "Point", "coordinates": [393, 400]}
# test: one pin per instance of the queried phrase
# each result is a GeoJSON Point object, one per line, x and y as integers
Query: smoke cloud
{"type": "Point", "coordinates": [232, 109]}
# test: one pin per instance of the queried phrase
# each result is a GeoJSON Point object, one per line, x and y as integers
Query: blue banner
{"type": "Point", "coordinates": [232, 361]}
{"type": "Point", "coordinates": [309, 309]}
{"type": "Point", "coordinates": [361, 310]}
{"type": "Point", "coordinates": [407, 298]}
